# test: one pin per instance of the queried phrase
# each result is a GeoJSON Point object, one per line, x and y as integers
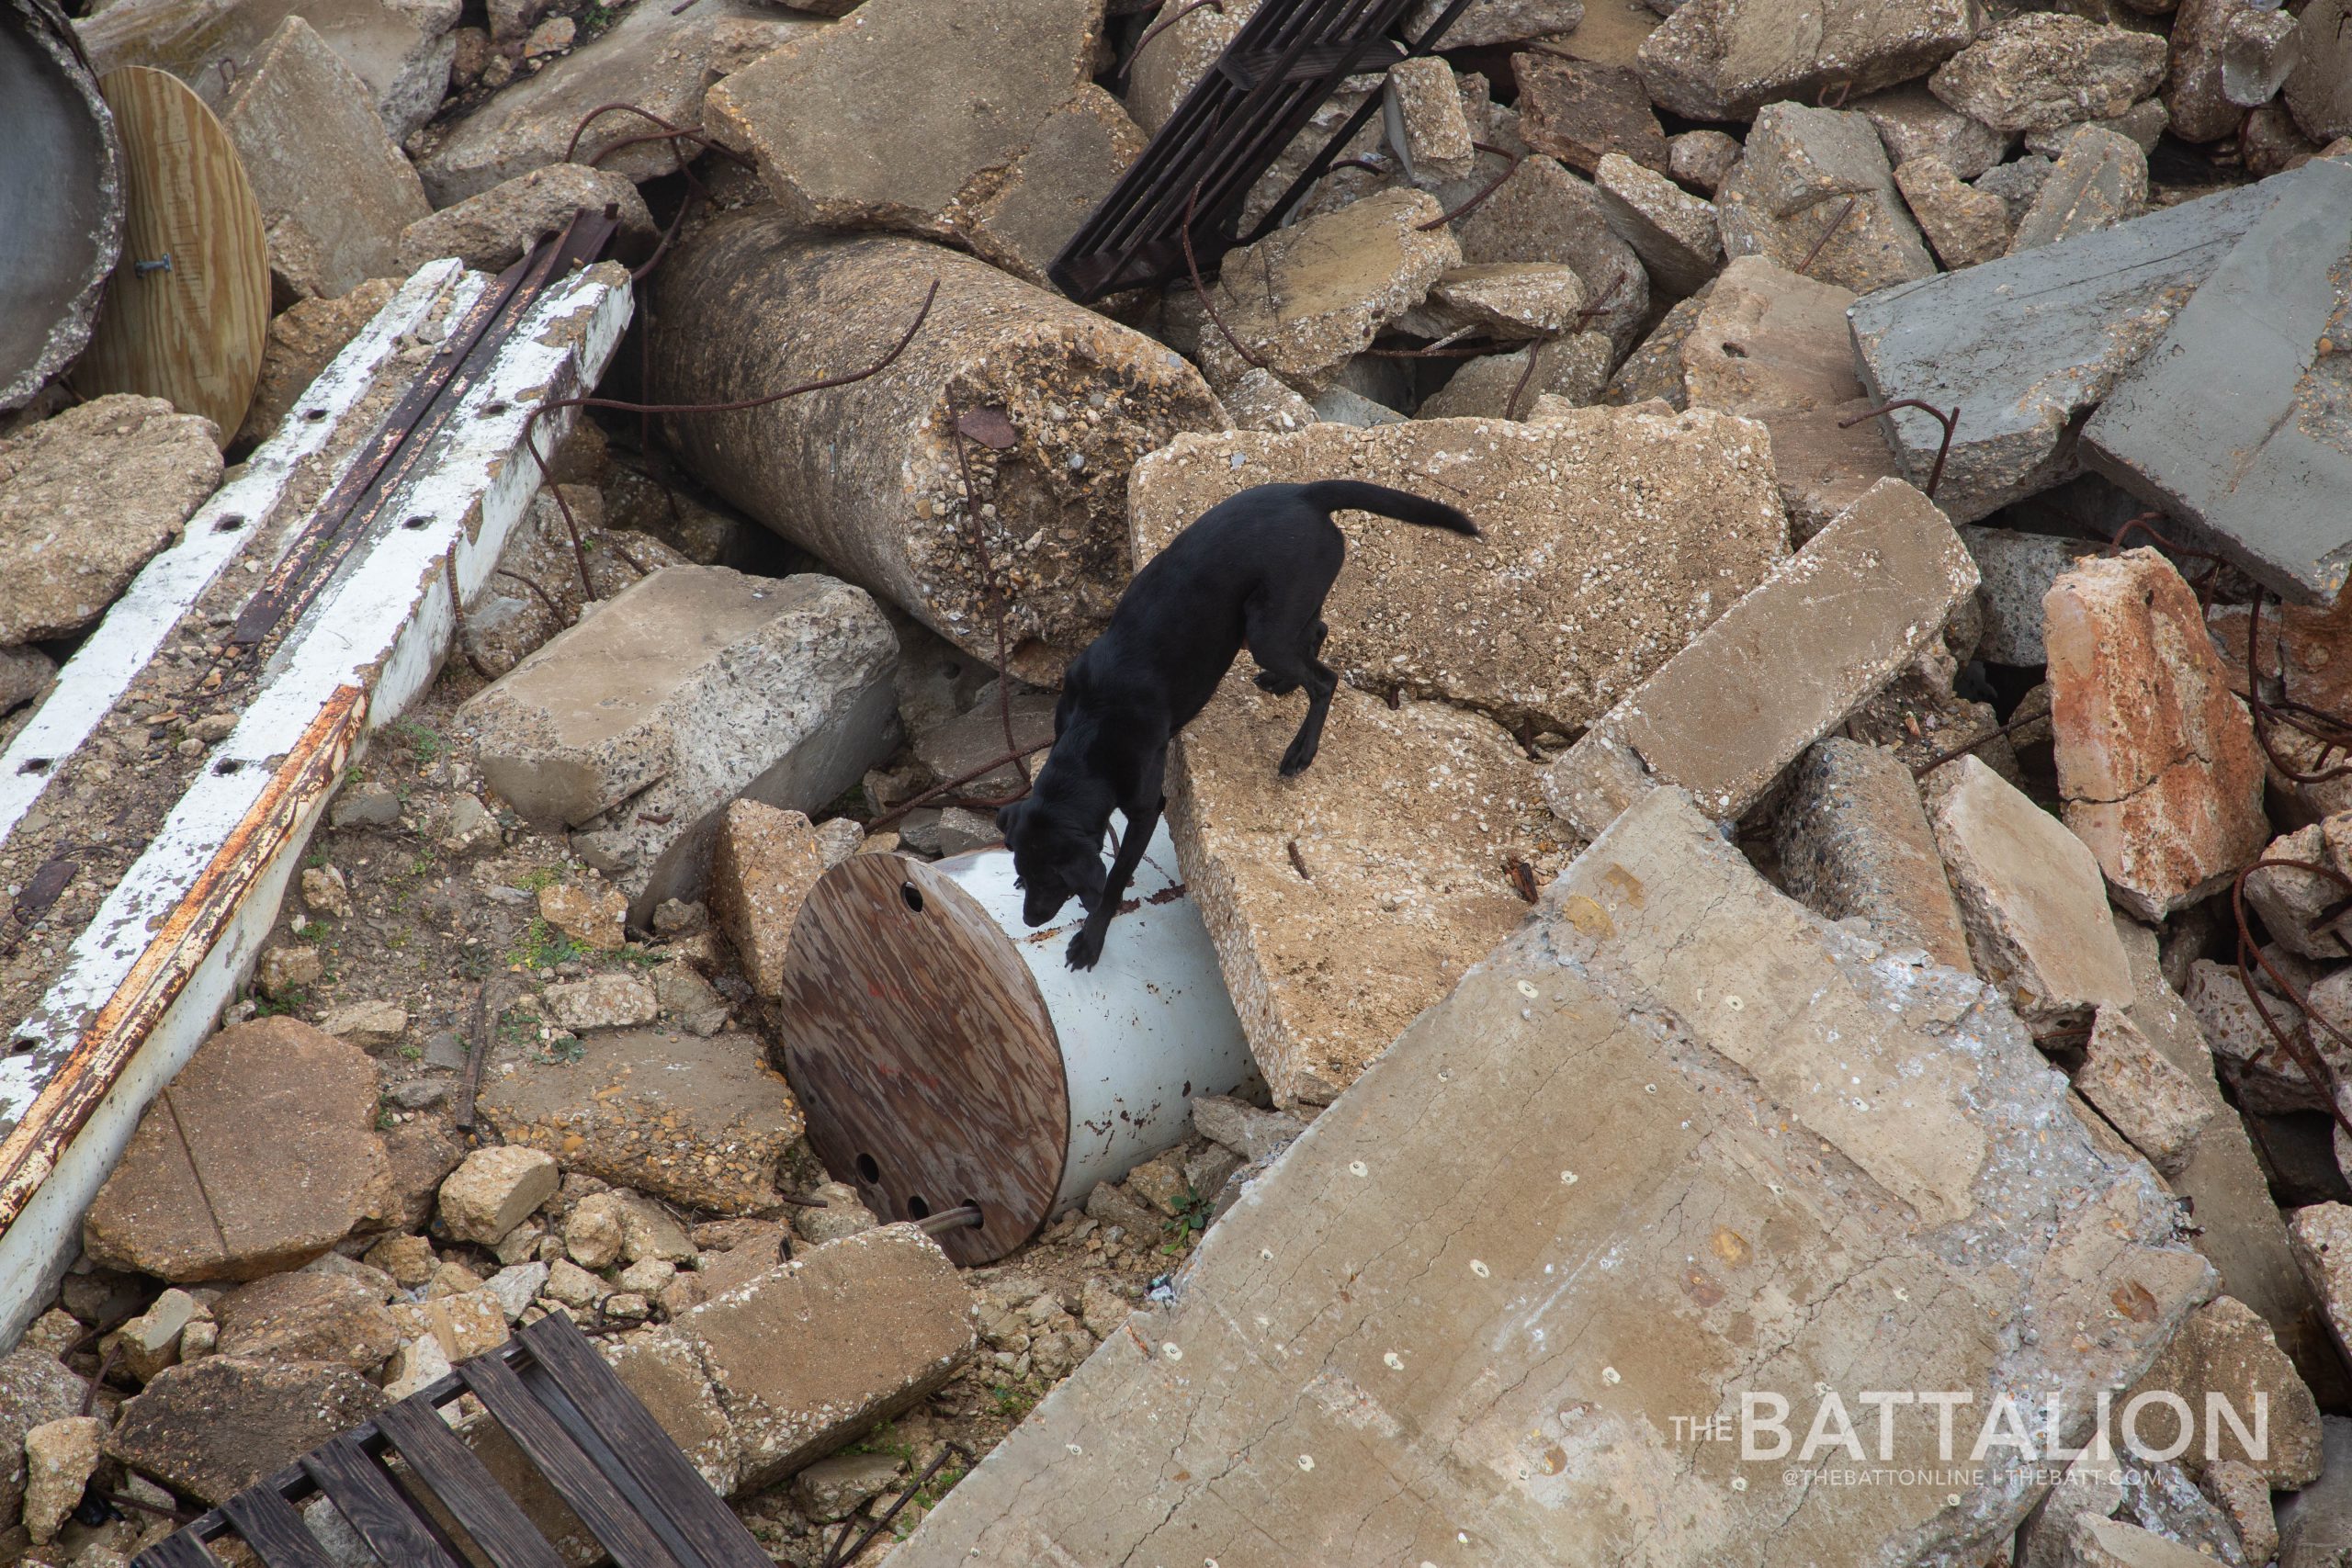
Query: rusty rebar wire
{"type": "Point", "coordinates": [1534, 356]}
{"type": "Point", "coordinates": [1491, 186]}
{"type": "Point", "coordinates": [105, 1366]}
{"type": "Point", "coordinates": [1822, 100]}
{"type": "Point", "coordinates": [2265, 714]}
{"type": "Point", "coordinates": [1161, 27]}
{"type": "Point", "coordinates": [531, 445]}
{"type": "Point", "coordinates": [1940, 758]}
{"type": "Point", "coordinates": [962, 1216]}
{"type": "Point", "coordinates": [835, 1555]}
{"type": "Point", "coordinates": [668, 130]}
{"type": "Point", "coordinates": [2250, 956]}
{"type": "Point", "coordinates": [1193, 265]}
{"type": "Point", "coordinates": [1835, 224]}
{"type": "Point", "coordinates": [125, 1500]}
{"type": "Point", "coordinates": [958, 781]}
{"type": "Point", "coordinates": [458, 615]}
{"type": "Point", "coordinates": [1948, 421]}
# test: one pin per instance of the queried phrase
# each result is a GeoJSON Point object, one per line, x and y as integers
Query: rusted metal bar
{"type": "Point", "coordinates": [1948, 421]}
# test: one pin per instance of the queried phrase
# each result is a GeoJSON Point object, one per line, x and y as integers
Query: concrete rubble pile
{"type": "Point", "coordinates": [1818, 942]}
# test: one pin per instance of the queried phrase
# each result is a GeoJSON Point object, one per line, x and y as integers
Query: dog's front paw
{"type": "Point", "coordinates": [1296, 760]}
{"type": "Point", "coordinates": [1085, 948]}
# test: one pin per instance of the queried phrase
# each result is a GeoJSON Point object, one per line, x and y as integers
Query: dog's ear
{"type": "Point", "coordinates": [1009, 817]}
{"type": "Point", "coordinates": [1087, 877]}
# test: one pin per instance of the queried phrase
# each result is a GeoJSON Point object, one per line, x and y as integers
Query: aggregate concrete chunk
{"type": "Point", "coordinates": [1702, 158]}
{"type": "Point", "coordinates": [2318, 90]}
{"type": "Point", "coordinates": [1773, 346]}
{"type": "Point", "coordinates": [2262, 359]}
{"type": "Point", "coordinates": [1021, 214]}
{"type": "Point", "coordinates": [2158, 768]}
{"type": "Point", "coordinates": [2271, 143]}
{"type": "Point", "coordinates": [1965, 225]}
{"type": "Point", "coordinates": [2028, 344]}
{"type": "Point", "coordinates": [691, 688]}
{"type": "Point", "coordinates": [402, 48]}
{"type": "Point", "coordinates": [762, 868]}
{"type": "Point", "coordinates": [1545, 213]}
{"type": "Point", "coordinates": [1673, 231]}
{"type": "Point", "coordinates": [2016, 182]}
{"type": "Point", "coordinates": [1815, 186]}
{"type": "Point", "coordinates": [58, 1459]}
{"type": "Point", "coordinates": [2141, 125]}
{"type": "Point", "coordinates": [2257, 52]}
{"type": "Point", "coordinates": [2031, 897]}
{"type": "Point", "coordinates": [1654, 370]}
{"type": "Point", "coordinates": [2225, 1348]}
{"type": "Point", "coordinates": [603, 1001]}
{"type": "Point", "coordinates": [658, 57]}
{"type": "Point", "coordinates": [869, 475]}
{"type": "Point", "coordinates": [1441, 1358]}
{"type": "Point", "coordinates": [1182, 54]}
{"type": "Point", "coordinates": [2322, 1237]}
{"type": "Point", "coordinates": [1262, 400]}
{"type": "Point", "coordinates": [307, 1316]}
{"type": "Point", "coordinates": [334, 192]}
{"type": "Point", "coordinates": [214, 1428]}
{"type": "Point", "coordinates": [700, 1123]}
{"type": "Point", "coordinates": [35, 1390]}
{"type": "Point", "coordinates": [1510, 300]}
{"type": "Point", "coordinates": [1747, 696]}
{"type": "Point", "coordinates": [1307, 298]}
{"type": "Point", "coordinates": [492, 230]}
{"type": "Point", "coordinates": [1437, 132]}
{"type": "Point", "coordinates": [2156, 1106]}
{"type": "Point", "coordinates": [1854, 839]}
{"type": "Point", "coordinates": [1404, 846]}
{"type": "Point", "coordinates": [495, 1188]}
{"type": "Point", "coordinates": [2315, 1524]}
{"type": "Point", "coordinates": [259, 1156]}
{"type": "Point", "coordinates": [2099, 179]}
{"type": "Point", "coordinates": [1571, 370]}
{"type": "Point", "coordinates": [844, 143]}
{"type": "Point", "coordinates": [87, 497]}
{"type": "Point", "coordinates": [2240, 1232]}
{"type": "Point", "coordinates": [1611, 538]}
{"type": "Point", "coordinates": [1580, 113]}
{"type": "Point", "coordinates": [1499, 21]}
{"type": "Point", "coordinates": [2046, 68]}
{"type": "Point", "coordinates": [2016, 571]}
{"type": "Point", "coordinates": [1727, 58]}
{"type": "Point", "coordinates": [1915, 123]}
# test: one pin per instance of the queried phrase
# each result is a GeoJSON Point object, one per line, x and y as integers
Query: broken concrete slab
{"type": "Point", "coordinates": [1499, 21]}
{"type": "Point", "coordinates": [1260, 400]}
{"type": "Point", "coordinates": [1611, 538]}
{"type": "Point", "coordinates": [2031, 896]}
{"type": "Point", "coordinates": [334, 192]}
{"type": "Point", "coordinates": [2315, 1524]}
{"type": "Point", "coordinates": [2014, 572]}
{"type": "Point", "coordinates": [2026, 345]}
{"type": "Point", "coordinates": [1815, 192]}
{"type": "Point", "coordinates": [2224, 1348]}
{"type": "Point", "coordinates": [1774, 346]}
{"type": "Point", "coordinates": [2261, 360]}
{"type": "Point", "coordinates": [694, 687]}
{"type": "Point", "coordinates": [1748, 695]}
{"type": "Point", "coordinates": [1702, 158]}
{"type": "Point", "coordinates": [1180, 54]}
{"type": "Point", "coordinates": [2157, 765]}
{"type": "Point", "coordinates": [1084, 396]}
{"type": "Point", "coordinates": [2047, 68]}
{"type": "Point", "coordinates": [843, 145]}
{"type": "Point", "coordinates": [2156, 1106]}
{"type": "Point", "coordinates": [1727, 58]}
{"type": "Point", "coordinates": [763, 862]}
{"type": "Point", "coordinates": [402, 48]}
{"type": "Point", "coordinates": [260, 1155]}
{"type": "Point", "coordinates": [2100, 179]}
{"type": "Point", "coordinates": [35, 1389]}
{"type": "Point", "coordinates": [1405, 853]}
{"type": "Point", "coordinates": [1509, 299]}
{"type": "Point", "coordinates": [1654, 370]}
{"type": "Point", "coordinates": [307, 1316]}
{"type": "Point", "coordinates": [492, 230]}
{"type": "Point", "coordinates": [1581, 113]}
{"type": "Point", "coordinates": [59, 1458]}
{"type": "Point", "coordinates": [657, 57]}
{"type": "Point", "coordinates": [1440, 1370]}
{"type": "Point", "coordinates": [1674, 232]}
{"type": "Point", "coordinates": [1966, 226]}
{"type": "Point", "coordinates": [1019, 215]}
{"type": "Point", "coordinates": [2292, 903]}
{"type": "Point", "coordinates": [2141, 125]}
{"type": "Point", "coordinates": [700, 1123]}
{"type": "Point", "coordinates": [2259, 51]}
{"type": "Point", "coordinates": [86, 498]}
{"type": "Point", "coordinates": [2322, 1236]}
{"type": "Point", "coordinates": [1571, 370]}
{"type": "Point", "coordinates": [1854, 841]}
{"type": "Point", "coordinates": [1545, 213]}
{"type": "Point", "coordinates": [494, 1189]}
{"type": "Point", "coordinates": [1915, 123]}
{"type": "Point", "coordinates": [214, 1428]}
{"type": "Point", "coordinates": [1434, 132]}
{"type": "Point", "coordinates": [1306, 300]}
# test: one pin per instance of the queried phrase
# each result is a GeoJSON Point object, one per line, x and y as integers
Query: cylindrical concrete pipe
{"type": "Point", "coordinates": [867, 474]}
{"type": "Point", "coordinates": [946, 1055]}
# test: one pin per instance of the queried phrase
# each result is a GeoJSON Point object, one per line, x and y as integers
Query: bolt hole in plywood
{"type": "Point", "coordinates": [192, 332]}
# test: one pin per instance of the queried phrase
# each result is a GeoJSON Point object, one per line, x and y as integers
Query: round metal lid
{"type": "Point", "coordinates": [922, 1055]}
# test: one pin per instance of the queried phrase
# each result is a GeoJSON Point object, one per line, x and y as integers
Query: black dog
{"type": "Point", "coordinates": [1253, 569]}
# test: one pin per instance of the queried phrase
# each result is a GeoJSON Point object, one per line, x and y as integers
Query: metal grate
{"type": "Point", "coordinates": [1236, 122]}
{"type": "Point", "coordinates": [598, 1449]}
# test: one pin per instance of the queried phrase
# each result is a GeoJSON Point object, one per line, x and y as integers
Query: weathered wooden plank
{"type": "Point", "coordinates": [449, 1470]}
{"type": "Point", "coordinates": [576, 1479]}
{"type": "Point", "coordinates": [276, 1532]}
{"type": "Point", "coordinates": [384, 1518]}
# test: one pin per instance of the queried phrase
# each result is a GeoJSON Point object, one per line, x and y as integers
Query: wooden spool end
{"type": "Point", "coordinates": [923, 1054]}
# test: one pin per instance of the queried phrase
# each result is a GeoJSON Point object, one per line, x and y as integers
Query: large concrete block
{"type": "Point", "coordinates": [1725, 715]}
{"type": "Point", "coordinates": [1727, 58]}
{"type": "Point", "coordinates": [2240, 420]}
{"type": "Point", "coordinates": [1815, 191]}
{"type": "Point", "coordinates": [2026, 345]}
{"type": "Point", "coordinates": [1677, 1142]}
{"type": "Point", "coordinates": [1611, 538]}
{"type": "Point", "coordinates": [692, 687]}
{"type": "Point", "coordinates": [1854, 841]}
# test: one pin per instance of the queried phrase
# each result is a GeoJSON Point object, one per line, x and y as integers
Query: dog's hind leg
{"type": "Point", "coordinates": [1321, 682]}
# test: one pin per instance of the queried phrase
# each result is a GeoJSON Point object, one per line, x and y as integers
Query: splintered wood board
{"type": "Point", "coordinates": [193, 334]}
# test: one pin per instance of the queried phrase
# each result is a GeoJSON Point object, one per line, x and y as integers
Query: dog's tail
{"type": "Point", "coordinates": [1333, 495]}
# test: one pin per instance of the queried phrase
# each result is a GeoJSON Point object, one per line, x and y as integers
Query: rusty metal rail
{"type": "Point", "coordinates": [1288, 58]}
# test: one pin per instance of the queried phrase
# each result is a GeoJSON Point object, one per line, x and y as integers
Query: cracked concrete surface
{"type": "Point", "coordinates": [1676, 1141]}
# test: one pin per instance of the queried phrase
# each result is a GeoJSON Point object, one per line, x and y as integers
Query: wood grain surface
{"type": "Point", "coordinates": [192, 333]}
{"type": "Point", "coordinates": [923, 1054]}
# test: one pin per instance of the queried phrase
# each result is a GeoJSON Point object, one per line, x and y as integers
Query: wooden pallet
{"type": "Point", "coordinates": [600, 1451]}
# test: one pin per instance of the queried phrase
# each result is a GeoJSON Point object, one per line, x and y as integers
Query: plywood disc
{"type": "Point", "coordinates": [923, 1054]}
{"type": "Point", "coordinates": [192, 332]}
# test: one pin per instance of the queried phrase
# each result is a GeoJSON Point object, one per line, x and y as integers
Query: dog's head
{"type": "Point", "coordinates": [1052, 861]}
